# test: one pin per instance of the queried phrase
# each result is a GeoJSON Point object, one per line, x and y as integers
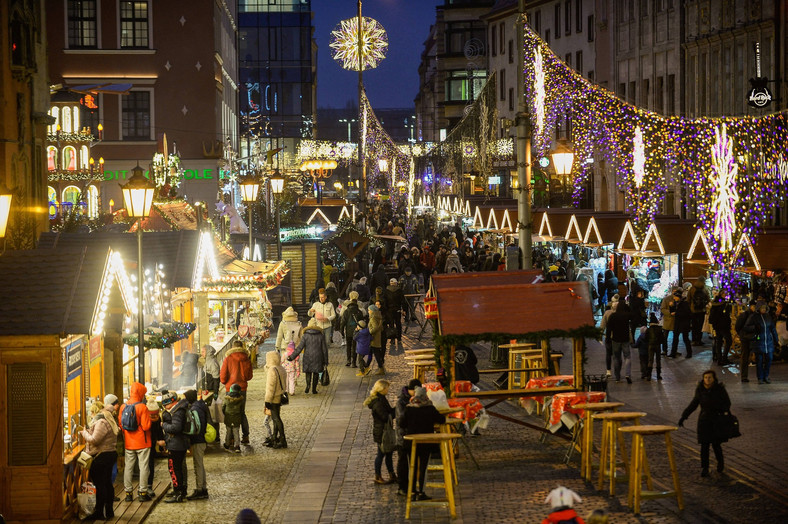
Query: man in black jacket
{"type": "Point", "coordinates": [744, 338]}
{"type": "Point", "coordinates": [173, 421]}
{"type": "Point", "coordinates": [403, 448]}
{"type": "Point", "coordinates": [618, 334]}
{"type": "Point", "coordinates": [198, 444]}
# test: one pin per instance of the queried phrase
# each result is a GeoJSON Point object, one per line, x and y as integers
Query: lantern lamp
{"type": "Point", "coordinates": [138, 194]}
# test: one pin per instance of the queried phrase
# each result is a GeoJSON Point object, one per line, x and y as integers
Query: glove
{"type": "Point", "coordinates": [681, 422]}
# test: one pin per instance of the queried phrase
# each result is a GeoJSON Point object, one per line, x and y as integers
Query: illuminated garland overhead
{"type": "Point", "coordinates": [163, 336]}
{"type": "Point", "coordinates": [330, 249]}
{"type": "Point", "coordinates": [266, 281]}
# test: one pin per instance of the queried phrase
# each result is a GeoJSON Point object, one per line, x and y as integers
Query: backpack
{"type": "Point", "coordinates": [699, 299]}
{"type": "Point", "coordinates": [353, 316]}
{"type": "Point", "coordinates": [191, 425]}
{"type": "Point", "coordinates": [128, 419]}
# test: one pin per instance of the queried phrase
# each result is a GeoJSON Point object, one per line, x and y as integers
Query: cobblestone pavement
{"type": "Point", "coordinates": [325, 475]}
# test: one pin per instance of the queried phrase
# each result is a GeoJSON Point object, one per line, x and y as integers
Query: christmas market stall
{"type": "Point", "coordinates": [60, 349]}
{"type": "Point", "coordinates": [475, 307]}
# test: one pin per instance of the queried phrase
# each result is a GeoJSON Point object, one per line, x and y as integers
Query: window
{"type": "Point", "coordinates": [502, 83]}
{"type": "Point", "coordinates": [547, 36]}
{"type": "Point", "coordinates": [591, 28]}
{"type": "Point", "coordinates": [579, 16]}
{"type": "Point", "coordinates": [671, 105]}
{"type": "Point", "coordinates": [511, 51]}
{"type": "Point", "coordinates": [579, 61]}
{"type": "Point", "coordinates": [69, 159]}
{"type": "Point", "coordinates": [511, 99]}
{"type": "Point", "coordinates": [82, 24]}
{"type": "Point", "coordinates": [92, 201]}
{"type": "Point", "coordinates": [591, 75]}
{"type": "Point", "coordinates": [136, 115]}
{"type": "Point", "coordinates": [659, 94]}
{"type": "Point", "coordinates": [493, 40]}
{"type": "Point", "coordinates": [134, 25]}
{"type": "Point", "coordinates": [89, 112]}
{"type": "Point", "coordinates": [464, 85]}
{"type": "Point", "coordinates": [557, 21]}
{"type": "Point", "coordinates": [501, 36]}
{"type": "Point", "coordinates": [458, 34]}
{"type": "Point", "coordinates": [51, 158]}
{"type": "Point", "coordinates": [632, 93]}
{"type": "Point", "coordinates": [568, 59]}
{"type": "Point", "coordinates": [71, 195]}
{"type": "Point", "coordinates": [568, 17]}
{"type": "Point", "coordinates": [538, 22]}
{"type": "Point", "coordinates": [622, 90]}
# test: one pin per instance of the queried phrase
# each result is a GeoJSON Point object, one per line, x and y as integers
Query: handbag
{"type": "Point", "coordinates": [728, 425]}
{"type": "Point", "coordinates": [325, 380]}
{"type": "Point", "coordinates": [388, 442]}
{"type": "Point", "coordinates": [85, 459]}
{"type": "Point", "coordinates": [391, 331]}
{"type": "Point", "coordinates": [284, 398]}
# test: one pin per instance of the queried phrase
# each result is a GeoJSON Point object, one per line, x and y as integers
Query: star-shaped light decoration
{"type": "Point", "coordinates": [345, 48]}
{"type": "Point", "coordinates": [723, 182]}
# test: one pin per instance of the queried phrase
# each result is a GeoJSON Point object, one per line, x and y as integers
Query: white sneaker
{"type": "Point", "coordinates": [608, 373]}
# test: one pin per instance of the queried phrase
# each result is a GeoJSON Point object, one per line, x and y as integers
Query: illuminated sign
{"type": "Point", "coordinates": [494, 180]}
{"type": "Point", "coordinates": [188, 174]}
{"type": "Point", "coordinates": [74, 360]}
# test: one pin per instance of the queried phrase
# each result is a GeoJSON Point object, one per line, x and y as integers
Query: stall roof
{"type": "Point", "coordinates": [249, 267]}
{"type": "Point", "coordinates": [771, 247]}
{"type": "Point", "coordinates": [508, 306]}
{"type": "Point", "coordinates": [177, 250]}
{"type": "Point", "coordinates": [676, 234]}
{"type": "Point", "coordinates": [50, 292]}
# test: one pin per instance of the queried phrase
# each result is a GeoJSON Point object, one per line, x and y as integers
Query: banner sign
{"type": "Point", "coordinates": [74, 359]}
{"type": "Point", "coordinates": [95, 350]}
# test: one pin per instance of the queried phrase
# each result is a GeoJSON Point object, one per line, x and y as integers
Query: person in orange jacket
{"type": "Point", "coordinates": [136, 426]}
{"type": "Point", "coordinates": [237, 369]}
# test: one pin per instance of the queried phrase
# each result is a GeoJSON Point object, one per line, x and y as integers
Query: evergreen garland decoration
{"type": "Point", "coordinates": [164, 335]}
{"type": "Point", "coordinates": [327, 247]}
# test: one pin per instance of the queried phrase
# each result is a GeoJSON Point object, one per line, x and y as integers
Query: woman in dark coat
{"type": "Point", "coordinates": [315, 360]}
{"type": "Point", "coordinates": [682, 323]}
{"type": "Point", "coordinates": [381, 411]}
{"type": "Point", "coordinates": [420, 417]}
{"type": "Point", "coordinates": [713, 400]}
{"type": "Point", "coordinates": [611, 283]}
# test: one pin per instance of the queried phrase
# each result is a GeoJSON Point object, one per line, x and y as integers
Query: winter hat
{"type": "Point", "coordinates": [362, 280]}
{"type": "Point", "coordinates": [408, 269]}
{"type": "Point", "coordinates": [372, 307]}
{"type": "Point", "coordinates": [290, 314]}
{"type": "Point", "coordinates": [353, 295]}
{"type": "Point", "coordinates": [420, 393]}
{"type": "Point", "coordinates": [235, 391]}
{"type": "Point", "coordinates": [392, 281]}
{"type": "Point", "coordinates": [362, 324]}
{"type": "Point", "coordinates": [110, 399]}
{"type": "Point", "coordinates": [247, 516]}
{"type": "Point", "coordinates": [331, 285]}
{"type": "Point", "coordinates": [758, 305]}
{"type": "Point", "coordinates": [153, 406]}
{"type": "Point", "coordinates": [562, 497]}
{"type": "Point", "coordinates": [313, 323]}
{"type": "Point", "coordinates": [414, 383]}
{"type": "Point", "coordinates": [653, 319]}
{"type": "Point", "coordinates": [453, 251]}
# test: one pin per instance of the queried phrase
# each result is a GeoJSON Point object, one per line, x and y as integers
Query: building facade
{"type": "Point", "coordinates": [173, 66]}
{"type": "Point", "coordinates": [24, 97]}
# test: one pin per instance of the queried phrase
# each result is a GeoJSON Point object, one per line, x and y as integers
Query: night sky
{"type": "Point", "coordinates": [395, 82]}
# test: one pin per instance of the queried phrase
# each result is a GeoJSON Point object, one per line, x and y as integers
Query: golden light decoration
{"type": "Point", "coordinates": [345, 48]}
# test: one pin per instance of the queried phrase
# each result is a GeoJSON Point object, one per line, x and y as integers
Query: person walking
{"type": "Point", "coordinates": [713, 400]}
{"type": "Point", "coordinates": [323, 313]}
{"type": "Point", "coordinates": [362, 340]}
{"type": "Point", "coordinates": [618, 333]}
{"type": "Point", "coordinates": [382, 413]}
{"type": "Point", "coordinates": [173, 423]}
{"type": "Point", "coordinates": [211, 369]}
{"type": "Point", "coordinates": [237, 369]}
{"type": "Point", "coordinates": [667, 318]}
{"type": "Point", "coordinates": [403, 448]}
{"type": "Point", "coordinates": [420, 416]}
{"type": "Point", "coordinates": [395, 299]}
{"type": "Point", "coordinates": [682, 322]}
{"type": "Point", "coordinates": [313, 345]}
{"type": "Point", "coordinates": [698, 299]}
{"type": "Point", "coordinates": [720, 320]}
{"type": "Point", "coordinates": [409, 284]}
{"type": "Point", "coordinates": [763, 339]}
{"type": "Point", "coordinates": [135, 423]}
{"type": "Point", "coordinates": [274, 389]}
{"type": "Point", "coordinates": [608, 342]}
{"type": "Point", "coordinates": [351, 314]}
{"type": "Point", "coordinates": [289, 330]}
{"type": "Point", "coordinates": [198, 444]}
{"type": "Point", "coordinates": [375, 327]}
{"type": "Point", "coordinates": [102, 438]}
{"type": "Point", "coordinates": [649, 344]}
{"type": "Point", "coordinates": [744, 339]}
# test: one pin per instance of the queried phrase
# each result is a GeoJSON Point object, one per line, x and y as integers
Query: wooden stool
{"type": "Point", "coordinates": [610, 437]}
{"type": "Point", "coordinates": [444, 441]}
{"type": "Point", "coordinates": [639, 464]}
{"type": "Point", "coordinates": [446, 427]}
{"type": "Point", "coordinates": [587, 442]}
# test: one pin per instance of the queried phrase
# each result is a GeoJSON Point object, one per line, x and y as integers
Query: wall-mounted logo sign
{"type": "Point", "coordinates": [74, 359]}
{"type": "Point", "coordinates": [759, 95]}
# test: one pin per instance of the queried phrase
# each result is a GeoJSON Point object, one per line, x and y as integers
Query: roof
{"type": "Point", "coordinates": [48, 292]}
{"type": "Point", "coordinates": [507, 303]}
{"type": "Point", "coordinates": [177, 250]}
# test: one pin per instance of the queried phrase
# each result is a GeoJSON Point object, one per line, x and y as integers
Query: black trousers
{"type": "Point", "coordinates": [176, 464]}
{"type": "Point", "coordinates": [350, 347]}
{"type": "Point", "coordinates": [704, 455]}
{"type": "Point", "coordinates": [697, 327]}
{"type": "Point", "coordinates": [380, 355]}
{"type": "Point", "coordinates": [244, 420]}
{"type": "Point", "coordinates": [279, 426]}
{"type": "Point", "coordinates": [744, 367]}
{"type": "Point", "coordinates": [311, 379]}
{"type": "Point", "coordinates": [675, 346]}
{"type": "Point", "coordinates": [721, 337]}
{"type": "Point", "coordinates": [101, 475]}
{"type": "Point", "coordinates": [403, 462]}
{"type": "Point", "coordinates": [423, 453]}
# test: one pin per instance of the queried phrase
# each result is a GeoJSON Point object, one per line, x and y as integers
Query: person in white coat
{"type": "Point", "coordinates": [289, 330]}
{"type": "Point", "coordinates": [324, 313]}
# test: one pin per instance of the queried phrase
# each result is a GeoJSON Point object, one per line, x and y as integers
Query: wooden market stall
{"type": "Point", "coordinates": [60, 324]}
{"type": "Point", "coordinates": [473, 307]}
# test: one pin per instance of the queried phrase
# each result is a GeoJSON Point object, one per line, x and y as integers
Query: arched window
{"type": "Point", "coordinates": [71, 195]}
{"type": "Point", "coordinates": [65, 125]}
{"type": "Point", "coordinates": [69, 158]}
{"type": "Point", "coordinates": [52, 199]}
{"type": "Point", "coordinates": [83, 157]}
{"type": "Point", "coordinates": [92, 201]}
{"type": "Point", "coordinates": [55, 112]}
{"type": "Point", "coordinates": [51, 158]}
{"type": "Point", "coordinates": [75, 119]}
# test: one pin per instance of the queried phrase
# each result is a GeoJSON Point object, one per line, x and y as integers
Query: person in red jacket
{"type": "Point", "coordinates": [237, 369]}
{"type": "Point", "coordinates": [137, 443]}
{"type": "Point", "coordinates": [561, 499]}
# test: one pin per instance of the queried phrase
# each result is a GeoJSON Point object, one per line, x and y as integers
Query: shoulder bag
{"type": "Point", "coordinates": [284, 398]}
{"type": "Point", "coordinates": [388, 442]}
{"type": "Point", "coordinates": [728, 425]}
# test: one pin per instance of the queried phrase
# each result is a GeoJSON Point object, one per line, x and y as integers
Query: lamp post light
{"type": "Point", "coordinates": [250, 186]}
{"type": "Point", "coordinates": [319, 169]}
{"type": "Point", "coordinates": [563, 157]}
{"type": "Point", "coordinates": [277, 186]}
{"type": "Point", "coordinates": [138, 199]}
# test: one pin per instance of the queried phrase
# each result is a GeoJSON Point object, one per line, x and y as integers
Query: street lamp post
{"type": "Point", "coordinates": [319, 169]}
{"type": "Point", "coordinates": [523, 121]}
{"type": "Point", "coordinates": [563, 157]}
{"type": "Point", "coordinates": [138, 199]}
{"type": "Point", "coordinates": [250, 186]}
{"type": "Point", "coordinates": [277, 186]}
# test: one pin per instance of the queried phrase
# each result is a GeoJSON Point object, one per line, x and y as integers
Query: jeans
{"type": "Point", "coordinates": [101, 475]}
{"type": "Point", "coordinates": [704, 455]}
{"type": "Point", "coordinates": [379, 461]}
{"type": "Point", "coordinates": [763, 363]}
{"type": "Point", "coordinates": [410, 309]}
{"type": "Point", "coordinates": [608, 354]}
{"type": "Point", "coordinates": [744, 367]}
{"type": "Point", "coordinates": [279, 426]}
{"type": "Point", "coordinates": [364, 361]}
{"type": "Point", "coordinates": [177, 466]}
{"type": "Point", "coordinates": [665, 334]}
{"type": "Point", "coordinates": [350, 348]}
{"type": "Point", "coordinates": [132, 456]}
{"type": "Point", "coordinates": [329, 334]}
{"type": "Point", "coordinates": [198, 454]}
{"type": "Point", "coordinates": [675, 346]}
{"type": "Point", "coordinates": [233, 436]}
{"type": "Point", "coordinates": [619, 349]}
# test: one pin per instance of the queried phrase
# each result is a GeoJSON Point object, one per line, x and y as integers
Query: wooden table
{"type": "Point", "coordinates": [420, 367]}
{"type": "Point", "coordinates": [421, 351]}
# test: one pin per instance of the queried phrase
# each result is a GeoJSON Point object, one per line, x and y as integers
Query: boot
{"type": "Point", "coordinates": [379, 479]}
{"type": "Point", "coordinates": [353, 361]}
{"type": "Point", "coordinates": [394, 480]}
{"type": "Point", "coordinates": [381, 371]}
{"type": "Point", "coordinates": [281, 443]}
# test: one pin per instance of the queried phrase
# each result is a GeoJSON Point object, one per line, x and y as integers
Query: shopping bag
{"type": "Point", "coordinates": [388, 442]}
{"type": "Point", "coordinates": [325, 380]}
{"type": "Point", "coordinates": [210, 433]}
{"type": "Point", "coordinates": [216, 411]}
{"type": "Point", "coordinates": [87, 500]}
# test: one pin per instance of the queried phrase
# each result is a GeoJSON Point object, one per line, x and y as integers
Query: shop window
{"type": "Point", "coordinates": [82, 24]}
{"type": "Point", "coordinates": [69, 158]}
{"type": "Point", "coordinates": [54, 113]}
{"type": "Point", "coordinates": [464, 85]}
{"type": "Point", "coordinates": [134, 25]}
{"type": "Point", "coordinates": [71, 195]}
{"type": "Point", "coordinates": [93, 202]}
{"type": "Point", "coordinates": [27, 414]}
{"type": "Point", "coordinates": [51, 158]}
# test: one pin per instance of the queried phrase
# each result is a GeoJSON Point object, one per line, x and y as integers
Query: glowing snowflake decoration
{"type": "Point", "coordinates": [638, 157]}
{"type": "Point", "coordinates": [345, 48]}
{"type": "Point", "coordinates": [539, 93]}
{"type": "Point", "coordinates": [723, 182]}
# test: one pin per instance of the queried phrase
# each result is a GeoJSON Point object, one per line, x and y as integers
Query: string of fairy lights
{"type": "Point", "coordinates": [734, 169]}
